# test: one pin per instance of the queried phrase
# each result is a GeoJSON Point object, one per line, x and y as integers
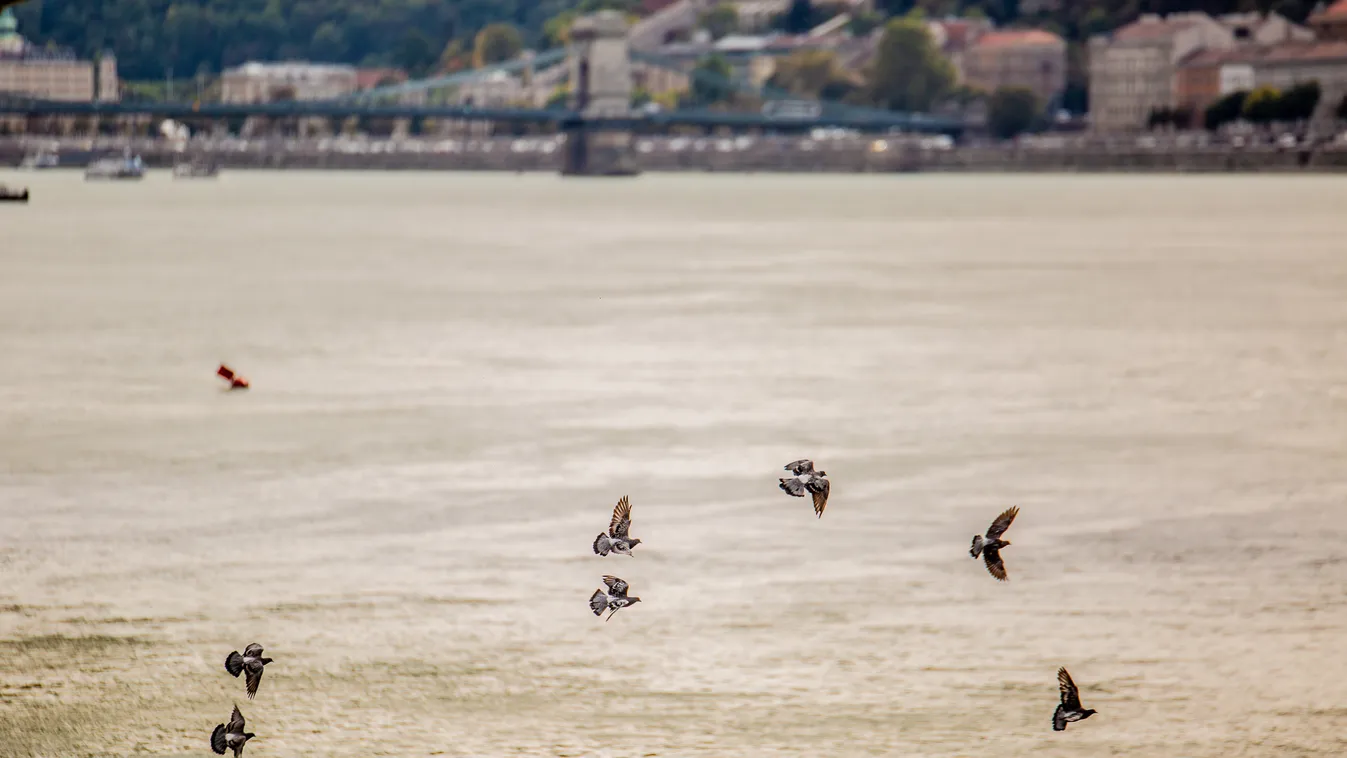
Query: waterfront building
{"type": "Point", "coordinates": [1029, 58]}
{"type": "Point", "coordinates": [52, 74]}
{"type": "Point", "coordinates": [1132, 70]}
{"type": "Point", "coordinates": [256, 82]}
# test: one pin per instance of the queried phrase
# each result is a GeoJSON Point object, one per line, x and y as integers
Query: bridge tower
{"type": "Point", "coordinates": [600, 74]}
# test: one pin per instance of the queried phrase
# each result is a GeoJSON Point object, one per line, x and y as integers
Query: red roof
{"type": "Point", "coordinates": [1336, 12]}
{"type": "Point", "coordinates": [1288, 52]}
{"type": "Point", "coordinates": [1019, 37]}
{"type": "Point", "coordinates": [1152, 28]}
{"type": "Point", "coordinates": [369, 78]}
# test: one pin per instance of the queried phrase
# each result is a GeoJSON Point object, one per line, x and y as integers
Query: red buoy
{"type": "Point", "coordinates": [236, 382]}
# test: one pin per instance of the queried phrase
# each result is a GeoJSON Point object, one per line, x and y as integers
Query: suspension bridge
{"type": "Point", "coordinates": [596, 70]}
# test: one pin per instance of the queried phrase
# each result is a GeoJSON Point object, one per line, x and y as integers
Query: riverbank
{"type": "Point", "coordinates": [699, 154]}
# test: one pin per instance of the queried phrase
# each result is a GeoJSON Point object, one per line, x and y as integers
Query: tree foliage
{"type": "Point", "coordinates": [1225, 110]}
{"type": "Point", "coordinates": [1012, 111]}
{"type": "Point", "coordinates": [712, 81]}
{"type": "Point", "coordinates": [496, 43]}
{"type": "Point", "coordinates": [721, 20]}
{"type": "Point", "coordinates": [151, 36]}
{"type": "Point", "coordinates": [1262, 106]}
{"type": "Point", "coordinates": [809, 73]}
{"type": "Point", "coordinates": [909, 73]}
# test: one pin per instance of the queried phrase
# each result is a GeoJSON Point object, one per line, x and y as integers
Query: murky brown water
{"type": "Point", "coordinates": [455, 377]}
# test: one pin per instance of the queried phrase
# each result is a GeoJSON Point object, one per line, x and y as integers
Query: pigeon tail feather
{"type": "Point", "coordinates": [217, 740]}
{"type": "Point", "coordinates": [602, 545]}
{"type": "Point", "coordinates": [234, 664]}
{"type": "Point", "coordinates": [976, 550]}
{"type": "Point", "coordinates": [1058, 719]}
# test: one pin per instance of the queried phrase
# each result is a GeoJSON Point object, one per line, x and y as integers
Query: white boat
{"type": "Point", "coordinates": [40, 160]}
{"type": "Point", "coordinates": [125, 167]}
{"type": "Point", "coordinates": [198, 169]}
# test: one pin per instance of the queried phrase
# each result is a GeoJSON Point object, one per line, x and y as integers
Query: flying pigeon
{"type": "Point", "coordinates": [1070, 709]}
{"type": "Point", "coordinates": [990, 546]}
{"type": "Point", "coordinates": [232, 737]}
{"type": "Point", "coordinates": [806, 479]}
{"type": "Point", "coordinates": [614, 600]}
{"type": "Point", "coordinates": [616, 540]}
{"type": "Point", "coordinates": [236, 382]}
{"type": "Point", "coordinates": [250, 664]}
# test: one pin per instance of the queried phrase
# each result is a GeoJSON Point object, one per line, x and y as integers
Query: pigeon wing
{"type": "Point", "coordinates": [1070, 695]}
{"type": "Point", "coordinates": [253, 650]}
{"type": "Point", "coordinates": [616, 586]}
{"type": "Point", "coordinates": [992, 557]}
{"type": "Point", "coordinates": [1002, 522]}
{"type": "Point", "coordinates": [819, 489]}
{"type": "Point", "coordinates": [254, 677]}
{"type": "Point", "coordinates": [792, 486]}
{"type": "Point", "coordinates": [217, 739]}
{"type": "Point", "coordinates": [799, 467]}
{"type": "Point", "coordinates": [621, 523]}
{"type": "Point", "coordinates": [236, 722]}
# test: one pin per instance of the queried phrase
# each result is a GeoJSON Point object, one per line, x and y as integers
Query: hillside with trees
{"type": "Point", "coordinates": [191, 37]}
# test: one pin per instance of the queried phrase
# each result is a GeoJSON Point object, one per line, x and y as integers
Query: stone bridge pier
{"type": "Point", "coordinates": [600, 77]}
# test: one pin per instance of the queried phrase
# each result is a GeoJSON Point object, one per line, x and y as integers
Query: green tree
{"type": "Point", "coordinates": [497, 43]}
{"type": "Point", "coordinates": [807, 72]}
{"type": "Point", "coordinates": [720, 20]}
{"type": "Point", "coordinates": [1012, 111]}
{"type": "Point", "coordinates": [557, 30]}
{"type": "Point", "coordinates": [415, 51]}
{"type": "Point", "coordinates": [329, 43]}
{"type": "Point", "coordinates": [1300, 102]}
{"type": "Point", "coordinates": [1263, 105]}
{"type": "Point", "coordinates": [454, 58]}
{"type": "Point", "coordinates": [864, 22]}
{"type": "Point", "coordinates": [1225, 110]}
{"type": "Point", "coordinates": [909, 73]}
{"type": "Point", "coordinates": [712, 81]}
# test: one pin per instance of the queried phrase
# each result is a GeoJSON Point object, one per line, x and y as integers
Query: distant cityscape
{"type": "Point", "coordinates": [1182, 70]}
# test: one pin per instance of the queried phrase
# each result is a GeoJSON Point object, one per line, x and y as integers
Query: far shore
{"type": "Point", "coordinates": [730, 154]}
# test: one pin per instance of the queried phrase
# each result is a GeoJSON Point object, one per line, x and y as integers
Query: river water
{"type": "Point", "coordinates": [455, 377]}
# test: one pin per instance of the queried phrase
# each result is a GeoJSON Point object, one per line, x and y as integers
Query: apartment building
{"type": "Point", "coordinates": [1030, 58]}
{"type": "Point", "coordinates": [52, 74]}
{"type": "Point", "coordinates": [1133, 70]}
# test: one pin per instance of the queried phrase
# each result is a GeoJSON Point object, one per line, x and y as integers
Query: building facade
{"type": "Point", "coordinates": [1030, 58]}
{"type": "Point", "coordinates": [1208, 76]}
{"type": "Point", "coordinates": [52, 74]}
{"type": "Point", "coordinates": [1133, 71]}
{"type": "Point", "coordinates": [1331, 22]}
{"type": "Point", "coordinates": [267, 82]}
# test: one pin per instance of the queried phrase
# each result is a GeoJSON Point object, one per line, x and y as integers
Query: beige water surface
{"type": "Point", "coordinates": [455, 377]}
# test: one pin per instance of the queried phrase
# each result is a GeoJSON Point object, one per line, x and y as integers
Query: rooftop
{"type": "Point", "coordinates": [290, 68]}
{"type": "Point", "coordinates": [1151, 27]}
{"type": "Point", "coordinates": [1019, 38]}
{"type": "Point", "coordinates": [1335, 12]}
{"type": "Point", "coordinates": [1288, 52]}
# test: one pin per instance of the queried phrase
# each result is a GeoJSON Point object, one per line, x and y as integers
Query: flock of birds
{"type": "Point", "coordinates": [618, 540]}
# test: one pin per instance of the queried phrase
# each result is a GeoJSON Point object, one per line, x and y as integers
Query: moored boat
{"type": "Point", "coordinates": [125, 167]}
{"type": "Point", "coordinates": [8, 195]}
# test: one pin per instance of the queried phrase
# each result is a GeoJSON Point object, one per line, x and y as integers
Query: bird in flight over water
{"type": "Point", "coordinates": [613, 600]}
{"type": "Point", "coordinates": [1070, 708]}
{"type": "Point", "coordinates": [230, 737]}
{"type": "Point", "coordinates": [990, 546]}
{"type": "Point", "coordinates": [805, 479]}
{"type": "Point", "coordinates": [617, 539]}
{"type": "Point", "coordinates": [250, 664]}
